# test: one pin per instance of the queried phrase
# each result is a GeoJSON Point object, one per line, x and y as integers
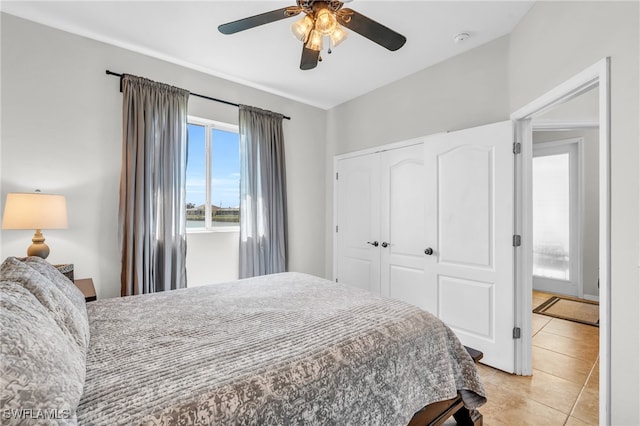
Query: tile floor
{"type": "Point", "coordinates": [564, 387]}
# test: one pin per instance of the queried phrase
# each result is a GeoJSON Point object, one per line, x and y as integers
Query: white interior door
{"type": "Point", "coordinates": [402, 258]}
{"type": "Point", "coordinates": [358, 211]}
{"type": "Point", "coordinates": [469, 225]}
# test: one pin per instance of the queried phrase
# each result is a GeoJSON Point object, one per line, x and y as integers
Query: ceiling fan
{"type": "Point", "coordinates": [321, 19]}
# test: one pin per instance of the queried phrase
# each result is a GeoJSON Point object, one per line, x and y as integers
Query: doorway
{"type": "Point", "coordinates": [526, 119]}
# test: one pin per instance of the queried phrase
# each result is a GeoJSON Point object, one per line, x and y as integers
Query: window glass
{"type": "Point", "coordinates": [551, 220]}
{"type": "Point", "coordinates": [196, 191]}
{"type": "Point", "coordinates": [225, 178]}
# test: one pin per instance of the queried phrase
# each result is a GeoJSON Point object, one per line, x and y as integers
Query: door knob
{"type": "Point", "coordinates": [375, 243]}
{"type": "Point", "coordinates": [428, 251]}
{"type": "Point", "coordinates": [384, 244]}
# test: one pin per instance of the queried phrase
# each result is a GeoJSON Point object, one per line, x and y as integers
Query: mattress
{"type": "Point", "coordinates": [275, 350]}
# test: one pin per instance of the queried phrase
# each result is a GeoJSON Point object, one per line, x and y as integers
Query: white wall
{"type": "Point", "coordinates": [553, 42]}
{"type": "Point", "coordinates": [212, 257]}
{"type": "Point", "coordinates": [61, 132]}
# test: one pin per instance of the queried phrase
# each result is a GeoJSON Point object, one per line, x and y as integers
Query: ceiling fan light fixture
{"type": "Point", "coordinates": [326, 22]}
{"type": "Point", "coordinates": [338, 35]}
{"type": "Point", "coordinates": [315, 41]}
{"type": "Point", "coordinates": [320, 19]}
{"type": "Point", "coordinates": [302, 27]}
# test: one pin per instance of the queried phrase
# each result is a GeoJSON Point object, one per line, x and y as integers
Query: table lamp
{"type": "Point", "coordinates": [35, 211]}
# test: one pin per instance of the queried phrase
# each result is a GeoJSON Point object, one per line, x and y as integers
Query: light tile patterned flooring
{"type": "Point", "coordinates": [564, 387]}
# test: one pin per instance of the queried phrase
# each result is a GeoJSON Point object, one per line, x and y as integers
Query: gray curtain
{"type": "Point", "coordinates": [263, 201]}
{"type": "Point", "coordinates": [152, 186]}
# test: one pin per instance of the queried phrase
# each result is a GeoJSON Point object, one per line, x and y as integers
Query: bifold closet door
{"type": "Point", "coordinates": [402, 257]}
{"type": "Point", "coordinates": [358, 211]}
{"type": "Point", "coordinates": [469, 219]}
{"type": "Point", "coordinates": [432, 224]}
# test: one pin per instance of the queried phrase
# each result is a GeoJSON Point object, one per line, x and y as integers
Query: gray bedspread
{"type": "Point", "coordinates": [284, 349]}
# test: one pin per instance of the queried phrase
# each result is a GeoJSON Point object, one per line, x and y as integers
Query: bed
{"type": "Point", "coordinates": [280, 349]}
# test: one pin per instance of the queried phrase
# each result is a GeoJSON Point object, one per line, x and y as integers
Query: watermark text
{"type": "Point", "coordinates": [36, 413]}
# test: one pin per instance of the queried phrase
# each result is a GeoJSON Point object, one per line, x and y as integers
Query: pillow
{"type": "Point", "coordinates": [42, 370]}
{"type": "Point", "coordinates": [70, 316]}
{"type": "Point", "coordinates": [59, 280]}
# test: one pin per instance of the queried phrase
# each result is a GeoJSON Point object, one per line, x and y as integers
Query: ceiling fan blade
{"type": "Point", "coordinates": [257, 20]}
{"type": "Point", "coordinates": [309, 58]}
{"type": "Point", "coordinates": [371, 29]}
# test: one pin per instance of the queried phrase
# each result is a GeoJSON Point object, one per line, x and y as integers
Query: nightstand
{"type": "Point", "coordinates": [86, 287]}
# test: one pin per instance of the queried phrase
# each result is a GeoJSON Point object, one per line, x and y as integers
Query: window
{"type": "Point", "coordinates": [551, 215]}
{"type": "Point", "coordinates": [213, 176]}
{"type": "Point", "coordinates": [555, 211]}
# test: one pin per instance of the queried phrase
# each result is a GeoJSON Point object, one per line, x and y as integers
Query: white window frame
{"type": "Point", "coordinates": [209, 125]}
{"type": "Point", "coordinates": [572, 147]}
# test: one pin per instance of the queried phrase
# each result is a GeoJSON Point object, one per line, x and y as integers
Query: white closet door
{"type": "Point", "coordinates": [469, 219]}
{"type": "Point", "coordinates": [358, 212]}
{"type": "Point", "coordinates": [402, 247]}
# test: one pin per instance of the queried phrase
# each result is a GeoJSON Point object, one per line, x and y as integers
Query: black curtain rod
{"type": "Point", "coordinates": [191, 93]}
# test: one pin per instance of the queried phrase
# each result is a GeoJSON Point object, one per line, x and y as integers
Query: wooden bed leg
{"type": "Point", "coordinates": [465, 417]}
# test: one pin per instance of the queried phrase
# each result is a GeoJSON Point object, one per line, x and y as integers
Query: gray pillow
{"type": "Point", "coordinates": [68, 314]}
{"type": "Point", "coordinates": [63, 283]}
{"type": "Point", "coordinates": [42, 370]}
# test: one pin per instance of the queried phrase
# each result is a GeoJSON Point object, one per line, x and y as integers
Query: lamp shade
{"type": "Point", "coordinates": [301, 28]}
{"type": "Point", "coordinates": [325, 22]}
{"type": "Point", "coordinates": [34, 211]}
{"type": "Point", "coordinates": [315, 41]}
{"type": "Point", "coordinates": [338, 35]}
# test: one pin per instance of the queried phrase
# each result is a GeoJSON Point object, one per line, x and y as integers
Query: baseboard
{"type": "Point", "coordinates": [590, 297]}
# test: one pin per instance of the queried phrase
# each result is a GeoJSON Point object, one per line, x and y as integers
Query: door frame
{"type": "Point", "coordinates": [595, 76]}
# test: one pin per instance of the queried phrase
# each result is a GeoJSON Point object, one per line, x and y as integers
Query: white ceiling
{"type": "Point", "coordinates": [268, 57]}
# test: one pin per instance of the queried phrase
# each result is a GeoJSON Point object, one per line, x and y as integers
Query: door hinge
{"type": "Point", "coordinates": [336, 175]}
{"type": "Point", "coordinates": [516, 332]}
{"type": "Point", "coordinates": [517, 148]}
{"type": "Point", "coordinates": [336, 280]}
{"type": "Point", "coordinates": [517, 241]}
{"type": "Point", "coordinates": [336, 228]}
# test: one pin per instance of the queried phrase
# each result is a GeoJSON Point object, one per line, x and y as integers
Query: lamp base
{"type": "Point", "coordinates": [38, 248]}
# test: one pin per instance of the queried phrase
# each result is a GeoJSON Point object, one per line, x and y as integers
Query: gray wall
{"type": "Point", "coordinates": [553, 42]}
{"type": "Point", "coordinates": [61, 132]}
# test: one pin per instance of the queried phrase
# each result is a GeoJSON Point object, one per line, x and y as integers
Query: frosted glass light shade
{"type": "Point", "coordinates": [338, 35]}
{"type": "Point", "coordinates": [325, 22]}
{"type": "Point", "coordinates": [301, 28]}
{"type": "Point", "coordinates": [34, 211]}
{"type": "Point", "coordinates": [315, 41]}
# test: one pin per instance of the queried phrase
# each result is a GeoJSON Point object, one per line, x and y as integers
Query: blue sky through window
{"type": "Point", "coordinates": [225, 164]}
